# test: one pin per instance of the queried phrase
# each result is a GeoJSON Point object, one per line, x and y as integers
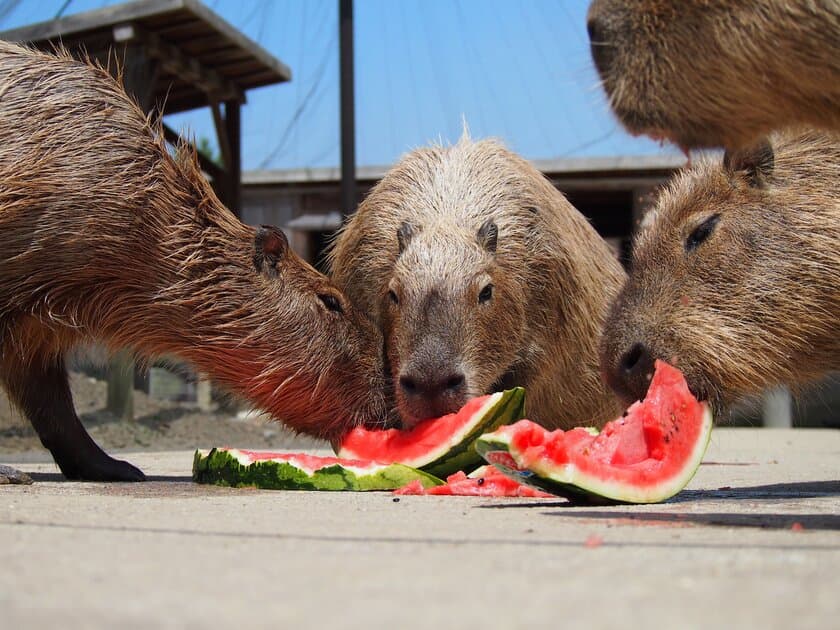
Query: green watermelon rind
{"type": "Point", "coordinates": [221, 468]}
{"type": "Point", "coordinates": [569, 482]}
{"type": "Point", "coordinates": [458, 451]}
{"type": "Point", "coordinates": [508, 408]}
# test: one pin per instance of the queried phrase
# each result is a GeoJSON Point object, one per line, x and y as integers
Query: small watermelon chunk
{"type": "Point", "coordinates": [439, 446]}
{"type": "Point", "coordinates": [299, 471]}
{"type": "Point", "coordinates": [646, 456]}
{"type": "Point", "coordinates": [486, 481]}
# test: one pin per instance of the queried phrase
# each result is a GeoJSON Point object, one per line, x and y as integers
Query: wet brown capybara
{"type": "Point", "coordinates": [104, 235]}
{"type": "Point", "coordinates": [735, 274]}
{"type": "Point", "coordinates": [718, 72]}
{"type": "Point", "coordinates": [482, 276]}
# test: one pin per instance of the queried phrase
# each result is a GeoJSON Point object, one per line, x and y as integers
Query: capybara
{"type": "Point", "coordinates": [482, 276]}
{"type": "Point", "coordinates": [106, 235]}
{"type": "Point", "coordinates": [735, 275]}
{"type": "Point", "coordinates": [718, 72]}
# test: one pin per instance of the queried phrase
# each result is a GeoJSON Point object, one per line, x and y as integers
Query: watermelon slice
{"type": "Point", "coordinates": [646, 456]}
{"type": "Point", "coordinates": [440, 446]}
{"type": "Point", "coordinates": [299, 471]}
{"type": "Point", "coordinates": [486, 481]}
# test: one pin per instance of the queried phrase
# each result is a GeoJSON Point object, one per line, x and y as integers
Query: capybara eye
{"type": "Point", "coordinates": [392, 295]}
{"type": "Point", "coordinates": [701, 232]}
{"type": "Point", "coordinates": [485, 294]}
{"type": "Point", "coordinates": [331, 302]}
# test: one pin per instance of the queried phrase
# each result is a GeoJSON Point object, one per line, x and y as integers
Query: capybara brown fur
{"type": "Point", "coordinates": [482, 276]}
{"type": "Point", "coordinates": [735, 274]}
{"type": "Point", "coordinates": [718, 72]}
{"type": "Point", "coordinates": [105, 235]}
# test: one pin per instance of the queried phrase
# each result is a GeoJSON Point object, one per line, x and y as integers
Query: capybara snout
{"type": "Point", "coordinates": [735, 274]}
{"type": "Point", "coordinates": [726, 72]}
{"type": "Point", "coordinates": [447, 291]}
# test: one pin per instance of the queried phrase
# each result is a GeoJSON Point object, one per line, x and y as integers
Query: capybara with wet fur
{"type": "Point", "coordinates": [104, 235]}
{"type": "Point", "coordinates": [482, 276]}
{"type": "Point", "coordinates": [718, 72]}
{"type": "Point", "coordinates": [735, 274]}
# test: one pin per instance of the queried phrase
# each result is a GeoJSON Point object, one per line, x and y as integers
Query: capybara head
{"type": "Point", "coordinates": [734, 275]}
{"type": "Point", "coordinates": [272, 328]}
{"type": "Point", "coordinates": [107, 234]}
{"type": "Point", "coordinates": [481, 276]}
{"type": "Point", "coordinates": [453, 314]}
{"type": "Point", "coordinates": [718, 73]}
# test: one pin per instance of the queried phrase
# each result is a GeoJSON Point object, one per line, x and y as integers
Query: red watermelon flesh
{"type": "Point", "coordinates": [439, 446]}
{"type": "Point", "coordinates": [486, 481]}
{"type": "Point", "coordinates": [648, 455]}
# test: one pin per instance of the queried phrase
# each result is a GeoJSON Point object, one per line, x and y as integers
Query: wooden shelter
{"type": "Point", "coordinates": [176, 55]}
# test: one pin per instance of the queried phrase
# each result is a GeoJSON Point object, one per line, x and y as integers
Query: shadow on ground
{"type": "Point", "coordinates": [779, 491]}
{"type": "Point", "coordinates": [802, 522]}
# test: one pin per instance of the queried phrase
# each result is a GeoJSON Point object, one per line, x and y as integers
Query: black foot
{"type": "Point", "coordinates": [100, 467]}
{"type": "Point", "coordinates": [9, 475]}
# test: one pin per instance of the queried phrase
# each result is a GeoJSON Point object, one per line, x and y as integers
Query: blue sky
{"type": "Point", "coordinates": [518, 70]}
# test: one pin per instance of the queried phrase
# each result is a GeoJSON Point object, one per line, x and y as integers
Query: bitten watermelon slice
{"type": "Point", "coordinates": [299, 471]}
{"type": "Point", "coordinates": [486, 481]}
{"type": "Point", "coordinates": [440, 446]}
{"type": "Point", "coordinates": [646, 456]}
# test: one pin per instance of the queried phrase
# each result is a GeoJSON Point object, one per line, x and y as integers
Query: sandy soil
{"type": "Point", "coordinates": [158, 425]}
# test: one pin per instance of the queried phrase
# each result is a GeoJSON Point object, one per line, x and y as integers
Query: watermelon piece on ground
{"type": "Point", "coordinates": [299, 471]}
{"type": "Point", "coordinates": [439, 446]}
{"type": "Point", "coordinates": [486, 481]}
{"type": "Point", "coordinates": [646, 456]}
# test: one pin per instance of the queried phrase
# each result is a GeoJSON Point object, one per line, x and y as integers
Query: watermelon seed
{"type": "Point", "coordinates": [396, 499]}
{"type": "Point", "coordinates": [480, 481]}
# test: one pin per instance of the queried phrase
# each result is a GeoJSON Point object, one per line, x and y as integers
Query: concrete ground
{"type": "Point", "coordinates": [753, 542]}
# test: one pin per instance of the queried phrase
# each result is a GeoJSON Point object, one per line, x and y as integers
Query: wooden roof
{"type": "Point", "coordinates": [200, 57]}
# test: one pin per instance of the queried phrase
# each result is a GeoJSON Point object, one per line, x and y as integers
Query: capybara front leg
{"type": "Point", "coordinates": [42, 392]}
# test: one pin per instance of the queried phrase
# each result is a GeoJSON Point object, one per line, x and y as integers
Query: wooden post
{"type": "Point", "coordinates": [777, 408]}
{"type": "Point", "coordinates": [348, 125]}
{"type": "Point", "coordinates": [233, 130]}
{"type": "Point", "coordinates": [121, 386]}
{"type": "Point", "coordinates": [203, 393]}
{"type": "Point", "coordinates": [643, 198]}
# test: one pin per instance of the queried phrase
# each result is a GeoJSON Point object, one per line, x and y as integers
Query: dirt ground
{"type": "Point", "coordinates": [158, 425]}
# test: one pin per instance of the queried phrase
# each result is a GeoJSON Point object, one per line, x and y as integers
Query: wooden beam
{"type": "Point", "coordinates": [172, 60]}
{"type": "Point", "coordinates": [139, 76]}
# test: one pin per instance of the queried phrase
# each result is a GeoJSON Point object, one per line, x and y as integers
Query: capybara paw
{"type": "Point", "coordinates": [102, 469]}
{"type": "Point", "coordinates": [9, 475]}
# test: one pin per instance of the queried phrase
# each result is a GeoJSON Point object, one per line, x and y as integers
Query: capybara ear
{"type": "Point", "coordinates": [270, 245]}
{"type": "Point", "coordinates": [404, 234]}
{"type": "Point", "coordinates": [488, 235]}
{"type": "Point", "coordinates": [756, 161]}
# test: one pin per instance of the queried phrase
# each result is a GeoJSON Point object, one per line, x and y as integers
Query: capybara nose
{"type": "Point", "coordinates": [599, 44]}
{"type": "Point", "coordinates": [431, 386]}
{"type": "Point", "coordinates": [631, 376]}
